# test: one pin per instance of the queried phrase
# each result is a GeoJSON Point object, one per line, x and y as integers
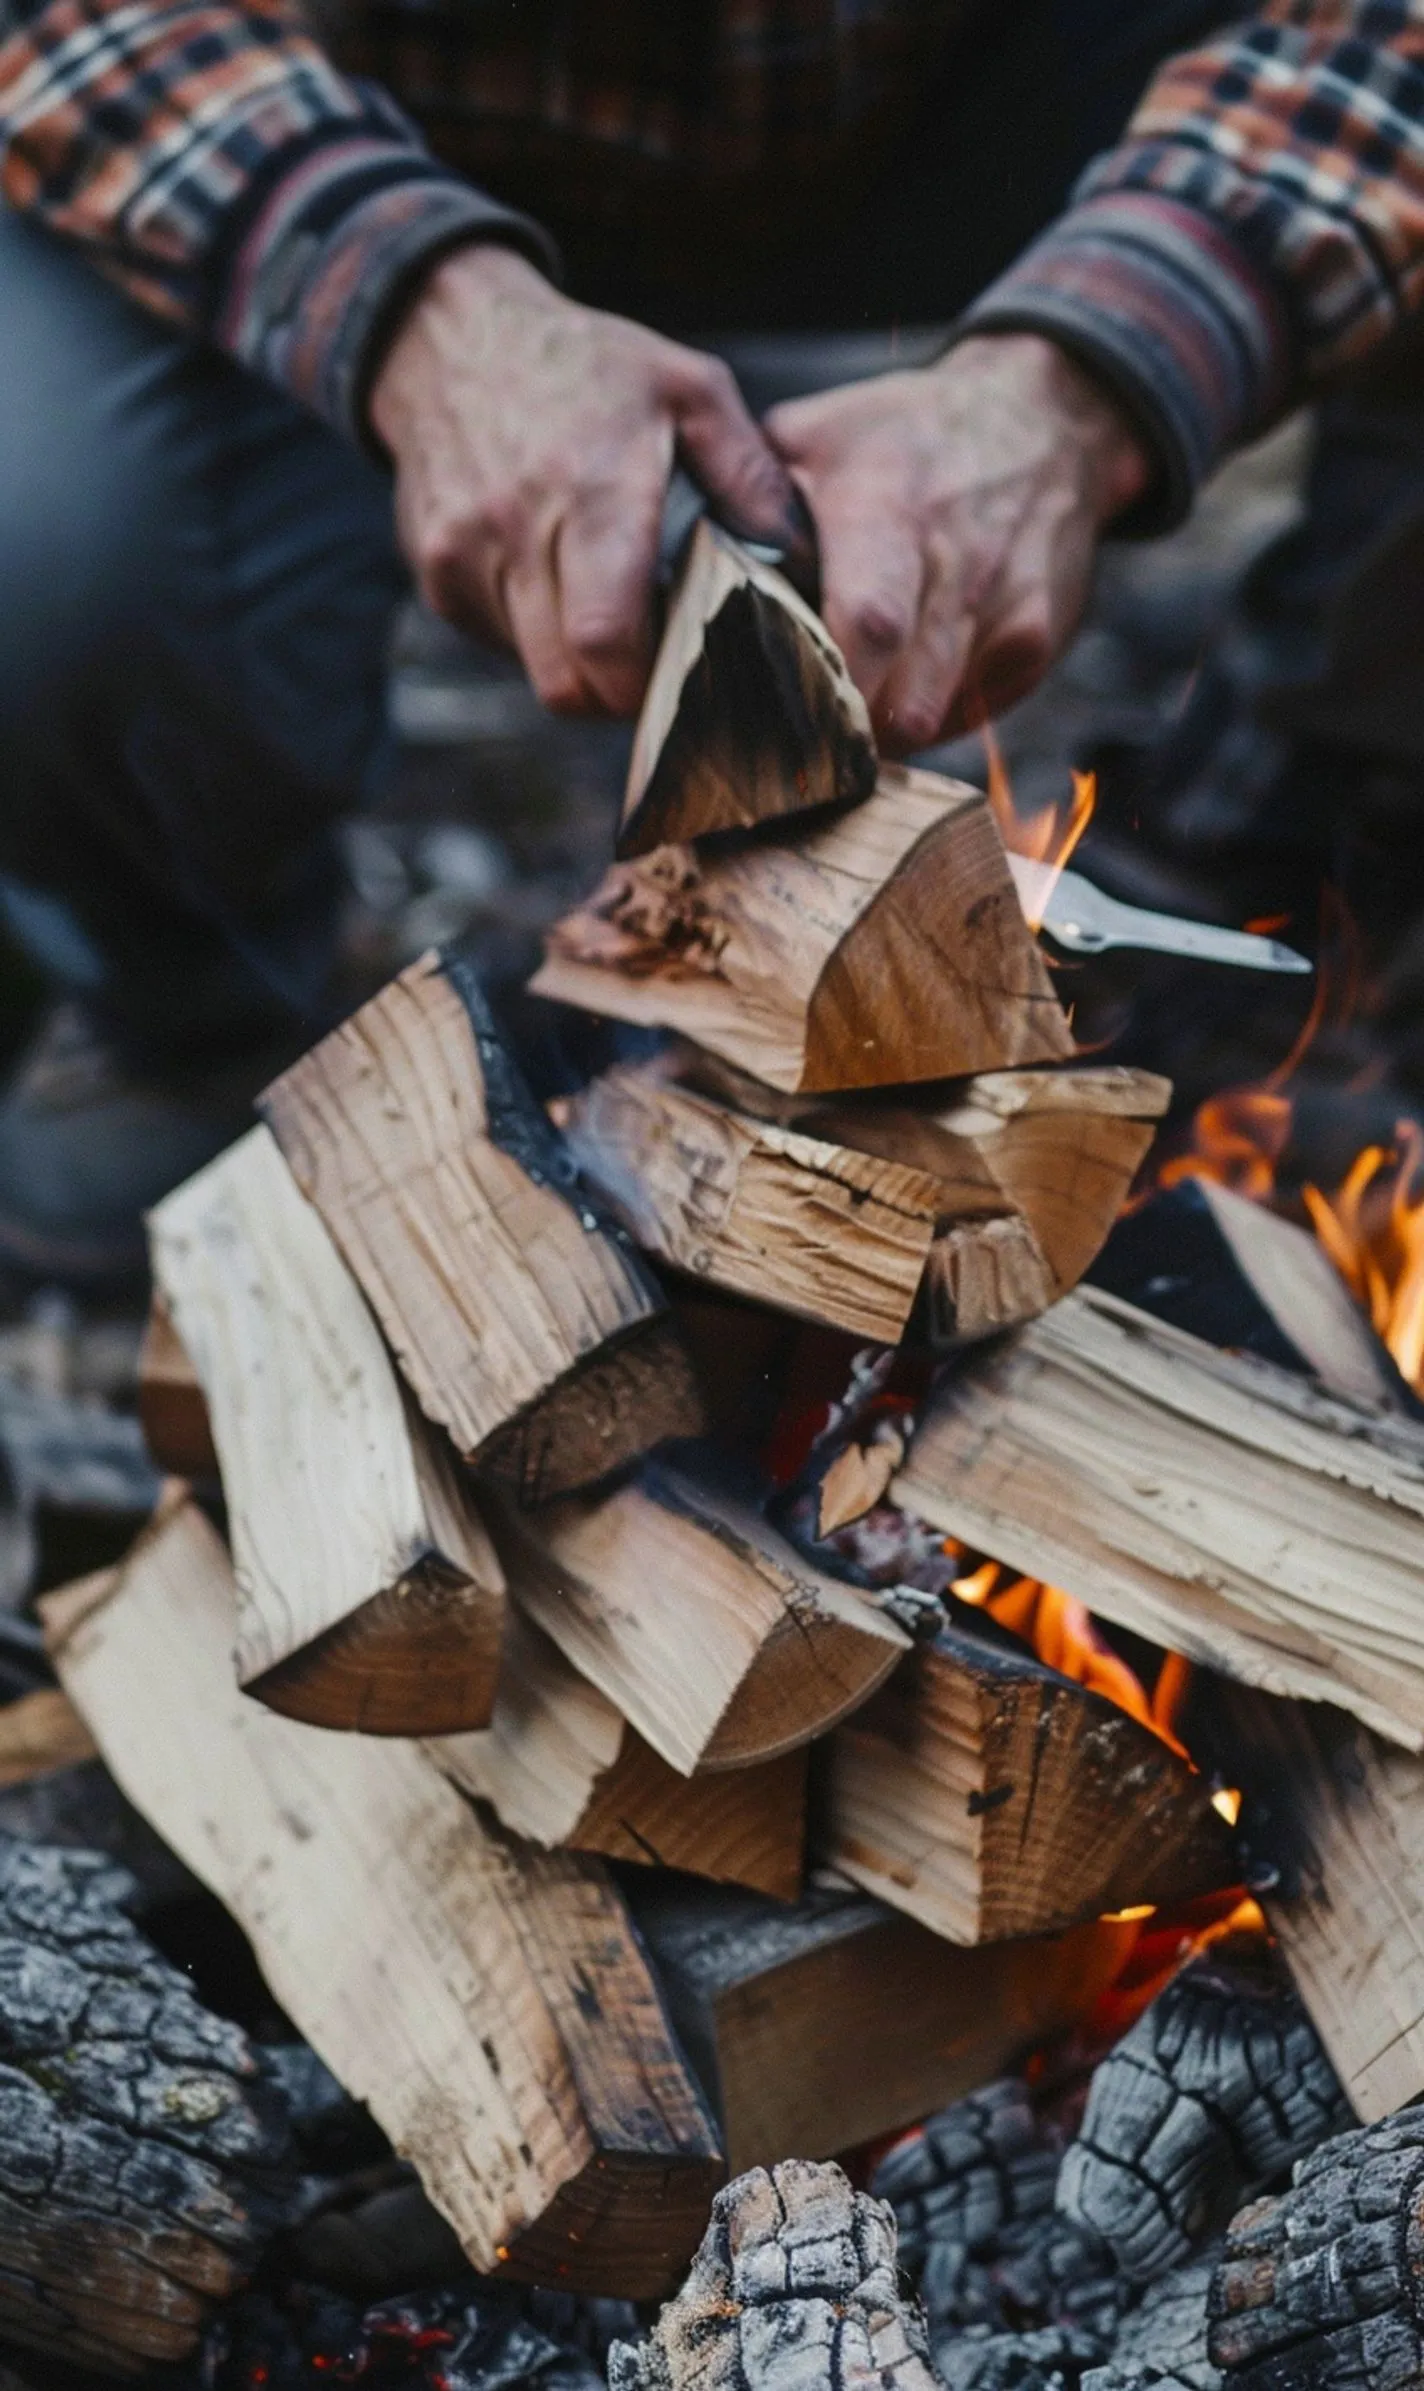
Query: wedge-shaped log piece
{"type": "Point", "coordinates": [768, 2000]}
{"type": "Point", "coordinates": [988, 1796]}
{"type": "Point", "coordinates": [761, 1210]}
{"type": "Point", "coordinates": [491, 2005]}
{"type": "Point", "coordinates": [370, 1593]}
{"type": "Point", "coordinates": [993, 1197]}
{"type": "Point", "coordinates": [530, 1332]}
{"type": "Point", "coordinates": [710, 1634]}
{"type": "Point", "coordinates": [1220, 1506]}
{"type": "Point", "coordinates": [561, 1766]}
{"type": "Point", "coordinates": [750, 714]}
{"type": "Point", "coordinates": [889, 946]}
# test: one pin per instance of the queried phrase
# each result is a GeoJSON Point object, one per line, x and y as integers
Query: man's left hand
{"type": "Point", "coordinates": [959, 509]}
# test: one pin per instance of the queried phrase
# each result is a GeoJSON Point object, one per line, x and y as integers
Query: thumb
{"type": "Point", "coordinates": [731, 458]}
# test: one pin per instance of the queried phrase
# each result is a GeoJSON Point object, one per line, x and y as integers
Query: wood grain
{"type": "Point", "coordinates": [171, 1402]}
{"type": "Point", "coordinates": [768, 2000]}
{"type": "Point", "coordinates": [1220, 1506]}
{"type": "Point", "coordinates": [457, 1212]}
{"type": "Point", "coordinates": [491, 2005]}
{"type": "Point", "coordinates": [887, 947]}
{"type": "Point", "coordinates": [560, 1765]}
{"type": "Point", "coordinates": [987, 1796]}
{"type": "Point", "coordinates": [750, 714]}
{"type": "Point", "coordinates": [370, 1593]}
{"type": "Point", "coordinates": [700, 1624]}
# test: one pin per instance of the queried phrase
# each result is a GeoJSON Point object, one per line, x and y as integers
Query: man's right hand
{"type": "Point", "coordinates": [533, 440]}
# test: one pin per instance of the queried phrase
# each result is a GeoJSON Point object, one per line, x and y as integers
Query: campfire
{"type": "Point", "coordinates": [787, 1681]}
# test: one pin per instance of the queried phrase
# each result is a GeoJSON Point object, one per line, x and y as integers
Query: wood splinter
{"type": "Point", "coordinates": [750, 715]}
{"type": "Point", "coordinates": [524, 1327]}
{"type": "Point", "coordinates": [371, 1597]}
{"type": "Point", "coordinates": [886, 947]}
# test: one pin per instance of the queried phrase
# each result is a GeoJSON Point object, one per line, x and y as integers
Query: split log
{"type": "Point", "coordinates": [1219, 1506]}
{"type": "Point", "coordinates": [561, 1766]}
{"type": "Point", "coordinates": [529, 1331]}
{"type": "Point", "coordinates": [1209, 1261]}
{"type": "Point", "coordinates": [750, 715]}
{"type": "Point", "coordinates": [144, 2153]}
{"type": "Point", "coordinates": [795, 2283]}
{"type": "Point", "coordinates": [1335, 1824]}
{"type": "Point", "coordinates": [491, 2005]}
{"type": "Point", "coordinates": [172, 1407]}
{"type": "Point", "coordinates": [768, 2001]}
{"type": "Point", "coordinates": [988, 1796]}
{"type": "Point", "coordinates": [993, 1199]}
{"type": "Point", "coordinates": [1220, 2086]}
{"type": "Point", "coordinates": [888, 947]}
{"type": "Point", "coordinates": [1322, 2288]}
{"type": "Point", "coordinates": [370, 1594]}
{"type": "Point", "coordinates": [673, 1596]}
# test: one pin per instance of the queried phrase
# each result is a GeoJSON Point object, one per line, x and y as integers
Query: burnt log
{"type": "Point", "coordinates": [1322, 2287]}
{"type": "Point", "coordinates": [1162, 2343]}
{"type": "Point", "coordinates": [795, 2284]}
{"type": "Point", "coordinates": [144, 2150]}
{"type": "Point", "coordinates": [1221, 2084]}
{"type": "Point", "coordinates": [468, 2336]}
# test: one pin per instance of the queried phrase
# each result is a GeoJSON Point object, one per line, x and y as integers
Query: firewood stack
{"type": "Point", "coordinates": [490, 1610]}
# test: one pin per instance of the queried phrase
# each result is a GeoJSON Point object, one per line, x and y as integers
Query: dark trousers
{"type": "Point", "coordinates": [197, 579]}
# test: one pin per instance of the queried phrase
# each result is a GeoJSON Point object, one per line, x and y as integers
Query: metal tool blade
{"type": "Point", "coordinates": [1084, 920]}
{"type": "Point", "coordinates": [684, 508]}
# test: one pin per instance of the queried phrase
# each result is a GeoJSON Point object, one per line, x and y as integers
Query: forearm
{"type": "Point", "coordinates": [212, 160]}
{"type": "Point", "coordinates": [1260, 225]}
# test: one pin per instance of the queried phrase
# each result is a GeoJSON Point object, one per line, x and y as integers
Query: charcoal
{"type": "Point", "coordinates": [1220, 2085]}
{"type": "Point", "coordinates": [1321, 2288]}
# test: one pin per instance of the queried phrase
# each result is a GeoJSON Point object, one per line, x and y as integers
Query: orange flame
{"type": "Point", "coordinates": [1048, 836]}
{"type": "Point", "coordinates": [1371, 1225]}
{"type": "Point", "coordinates": [1063, 1634]}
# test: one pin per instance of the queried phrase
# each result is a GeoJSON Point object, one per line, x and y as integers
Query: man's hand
{"type": "Point", "coordinates": [959, 509]}
{"type": "Point", "coordinates": [533, 440]}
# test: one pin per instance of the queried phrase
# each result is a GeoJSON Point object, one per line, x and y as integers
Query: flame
{"type": "Point", "coordinates": [1062, 1632]}
{"type": "Point", "coordinates": [1371, 1225]}
{"type": "Point", "coordinates": [1049, 836]}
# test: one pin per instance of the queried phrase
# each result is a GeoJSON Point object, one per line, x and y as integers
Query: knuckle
{"type": "Point", "coordinates": [558, 688]}
{"type": "Point", "coordinates": [917, 721]}
{"type": "Point", "coordinates": [879, 622]}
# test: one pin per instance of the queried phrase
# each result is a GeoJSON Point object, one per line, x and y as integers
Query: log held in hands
{"type": "Point", "coordinates": [750, 716]}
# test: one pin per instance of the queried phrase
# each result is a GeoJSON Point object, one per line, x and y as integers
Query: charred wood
{"type": "Point", "coordinates": [145, 2156]}
{"type": "Point", "coordinates": [795, 2283]}
{"type": "Point", "coordinates": [1218, 2088]}
{"type": "Point", "coordinates": [1322, 2287]}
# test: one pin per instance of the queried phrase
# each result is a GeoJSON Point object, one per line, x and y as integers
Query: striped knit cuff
{"type": "Point", "coordinates": [318, 279]}
{"type": "Point", "coordinates": [1165, 307]}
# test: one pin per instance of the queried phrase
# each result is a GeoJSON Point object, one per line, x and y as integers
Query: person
{"type": "Point", "coordinates": [271, 359]}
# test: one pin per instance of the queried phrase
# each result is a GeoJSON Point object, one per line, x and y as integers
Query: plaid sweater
{"type": "Point", "coordinates": [1260, 224]}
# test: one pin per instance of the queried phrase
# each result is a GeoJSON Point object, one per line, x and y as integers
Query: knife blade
{"type": "Point", "coordinates": [1084, 920]}
{"type": "Point", "coordinates": [683, 509]}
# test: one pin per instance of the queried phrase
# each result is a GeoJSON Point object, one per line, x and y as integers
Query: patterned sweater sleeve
{"type": "Point", "coordinates": [1260, 225]}
{"type": "Point", "coordinates": [208, 156]}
